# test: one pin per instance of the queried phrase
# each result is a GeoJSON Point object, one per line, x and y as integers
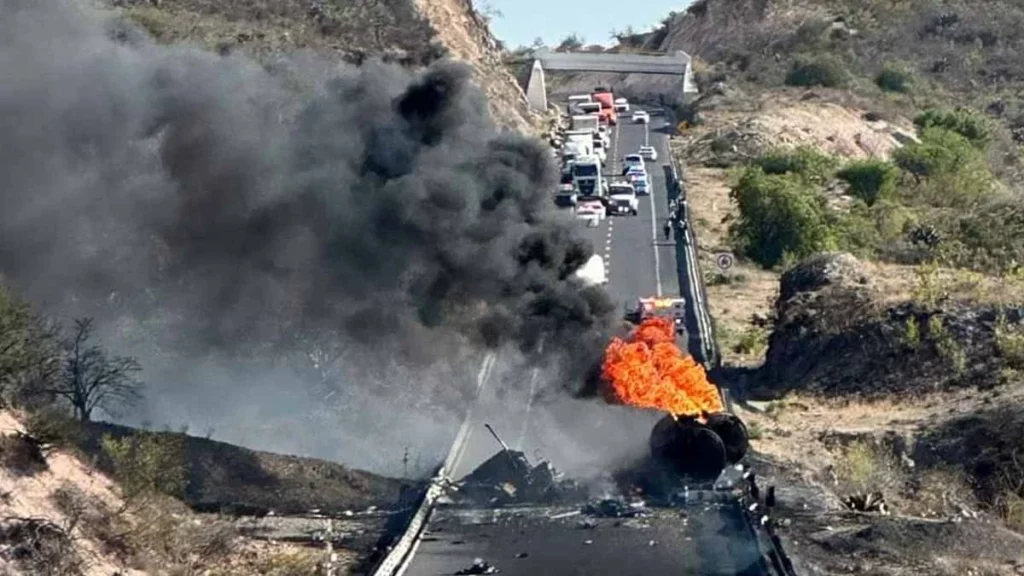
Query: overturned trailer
{"type": "Point", "coordinates": [699, 450]}
{"type": "Point", "coordinates": [690, 446]}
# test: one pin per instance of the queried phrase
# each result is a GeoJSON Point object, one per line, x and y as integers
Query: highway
{"type": "Point", "coordinates": [541, 541]}
{"type": "Point", "coordinates": [578, 437]}
{"type": "Point", "coordinates": [639, 262]}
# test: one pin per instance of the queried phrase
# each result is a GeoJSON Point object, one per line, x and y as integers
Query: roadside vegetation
{"type": "Point", "coordinates": [936, 200]}
{"type": "Point", "coordinates": [60, 516]}
{"type": "Point", "coordinates": [903, 376]}
{"type": "Point", "coordinates": [56, 378]}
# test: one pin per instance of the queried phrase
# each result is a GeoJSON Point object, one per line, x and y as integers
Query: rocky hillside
{"type": "Point", "coordinates": [408, 32]}
{"type": "Point", "coordinates": [223, 476]}
{"type": "Point", "coordinates": [872, 323]}
{"type": "Point", "coordinates": [918, 399]}
{"type": "Point", "coordinates": [466, 35]}
{"type": "Point", "coordinates": [920, 51]}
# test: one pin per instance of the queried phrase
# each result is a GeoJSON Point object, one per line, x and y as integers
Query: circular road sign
{"type": "Point", "coordinates": [725, 261]}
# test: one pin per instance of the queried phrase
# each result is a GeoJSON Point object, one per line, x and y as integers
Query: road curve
{"type": "Point", "coordinates": [713, 538]}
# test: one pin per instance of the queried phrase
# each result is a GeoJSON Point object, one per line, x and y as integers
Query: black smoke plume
{"type": "Point", "coordinates": [237, 207]}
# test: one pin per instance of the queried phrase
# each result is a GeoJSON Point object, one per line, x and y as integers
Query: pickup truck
{"type": "Point", "coordinates": [622, 199]}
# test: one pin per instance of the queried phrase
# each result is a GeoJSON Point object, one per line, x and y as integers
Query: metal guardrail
{"type": "Point", "coordinates": [759, 508]}
{"type": "Point", "coordinates": [697, 292]}
{"type": "Point", "coordinates": [398, 558]}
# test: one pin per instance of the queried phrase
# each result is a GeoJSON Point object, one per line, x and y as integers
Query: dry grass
{"type": "Point", "coordinates": [19, 454]}
{"type": "Point", "coordinates": [947, 566]}
{"type": "Point", "coordinates": [735, 295]}
{"type": "Point", "coordinates": [857, 447]}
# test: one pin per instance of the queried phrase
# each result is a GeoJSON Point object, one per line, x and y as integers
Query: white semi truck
{"type": "Point", "coordinates": [586, 175]}
{"type": "Point", "coordinates": [585, 138]}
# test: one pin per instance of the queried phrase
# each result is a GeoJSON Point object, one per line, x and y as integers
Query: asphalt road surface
{"type": "Point", "coordinates": [574, 435]}
{"type": "Point", "coordinates": [638, 259]}
{"type": "Point", "coordinates": [707, 539]}
{"type": "Point", "coordinates": [580, 437]}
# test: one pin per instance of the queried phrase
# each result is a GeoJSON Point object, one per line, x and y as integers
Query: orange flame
{"type": "Point", "coordinates": [649, 371]}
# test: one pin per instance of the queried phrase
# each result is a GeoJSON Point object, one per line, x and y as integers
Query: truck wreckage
{"type": "Point", "coordinates": [699, 449]}
{"type": "Point", "coordinates": [508, 478]}
{"type": "Point", "coordinates": [683, 448]}
{"type": "Point", "coordinates": [690, 446]}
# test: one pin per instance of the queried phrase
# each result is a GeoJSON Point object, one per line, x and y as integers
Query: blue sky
{"type": "Point", "coordinates": [552, 20]}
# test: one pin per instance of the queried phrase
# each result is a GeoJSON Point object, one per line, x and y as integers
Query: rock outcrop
{"type": "Point", "coordinates": [831, 336]}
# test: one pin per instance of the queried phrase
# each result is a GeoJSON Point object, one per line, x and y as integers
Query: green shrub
{"type": "Point", "coordinates": [825, 70]}
{"type": "Point", "coordinates": [949, 171]}
{"type": "Point", "coordinates": [992, 235]}
{"type": "Point", "coordinates": [940, 151]}
{"type": "Point", "coordinates": [752, 341]}
{"type": "Point", "coordinates": [966, 123]}
{"type": "Point", "coordinates": [894, 78]}
{"type": "Point", "coordinates": [866, 231]}
{"type": "Point", "coordinates": [148, 463]}
{"type": "Point", "coordinates": [806, 161]}
{"type": "Point", "coordinates": [780, 216]}
{"type": "Point", "coordinates": [871, 179]}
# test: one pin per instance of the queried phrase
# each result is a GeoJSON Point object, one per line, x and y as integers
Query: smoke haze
{"type": "Point", "coordinates": [273, 241]}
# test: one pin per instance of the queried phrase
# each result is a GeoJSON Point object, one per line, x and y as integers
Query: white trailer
{"type": "Point", "coordinates": [586, 122]}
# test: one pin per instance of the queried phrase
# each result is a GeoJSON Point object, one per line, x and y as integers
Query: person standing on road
{"type": "Point", "coordinates": [668, 229]}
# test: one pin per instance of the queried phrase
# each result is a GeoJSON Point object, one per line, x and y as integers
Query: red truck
{"type": "Point", "coordinates": [607, 101]}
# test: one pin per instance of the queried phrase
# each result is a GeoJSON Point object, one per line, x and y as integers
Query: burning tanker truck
{"type": "Point", "coordinates": [697, 438]}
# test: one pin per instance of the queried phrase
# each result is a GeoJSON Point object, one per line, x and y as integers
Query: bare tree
{"type": "Point", "coordinates": [91, 379]}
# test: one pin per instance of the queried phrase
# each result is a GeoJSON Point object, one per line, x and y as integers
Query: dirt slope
{"type": "Point", "coordinates": [59, 515]}
{"type": "Point", "coordinates": [466, 35]}
{"type": "Point", "coordinates": [227, 477]}
{"type": "Point", "coordinates": [928, 417]}
{"type": "Point", "coordinates": [409, 32]}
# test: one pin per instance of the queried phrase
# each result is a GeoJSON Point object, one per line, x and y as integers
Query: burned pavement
{"type": "Point", "coordinates": [512, 516]}
{"type": "Point", "coordinates": [709, 534]}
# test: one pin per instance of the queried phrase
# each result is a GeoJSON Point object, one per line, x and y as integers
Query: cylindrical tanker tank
{"type": "Point", "coordinates": [699, 450]}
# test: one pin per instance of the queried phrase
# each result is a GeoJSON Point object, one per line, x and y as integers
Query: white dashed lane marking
{"type": "Point", "coordinates": [611, 222]}
{"type": "Point", "coordinates": [608, 246]}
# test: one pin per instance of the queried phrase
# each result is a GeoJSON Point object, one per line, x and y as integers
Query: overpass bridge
{"type": "Point", "coordinates": [676, 64]}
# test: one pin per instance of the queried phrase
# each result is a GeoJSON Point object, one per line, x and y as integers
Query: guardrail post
{"type": "Point", "coordinates": [332, 558]}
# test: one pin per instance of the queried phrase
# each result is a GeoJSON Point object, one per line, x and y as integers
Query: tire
{"type": "Point", "coordinates": [733, 433]}
{"type": "Point", "coordinates": [688, 448]}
